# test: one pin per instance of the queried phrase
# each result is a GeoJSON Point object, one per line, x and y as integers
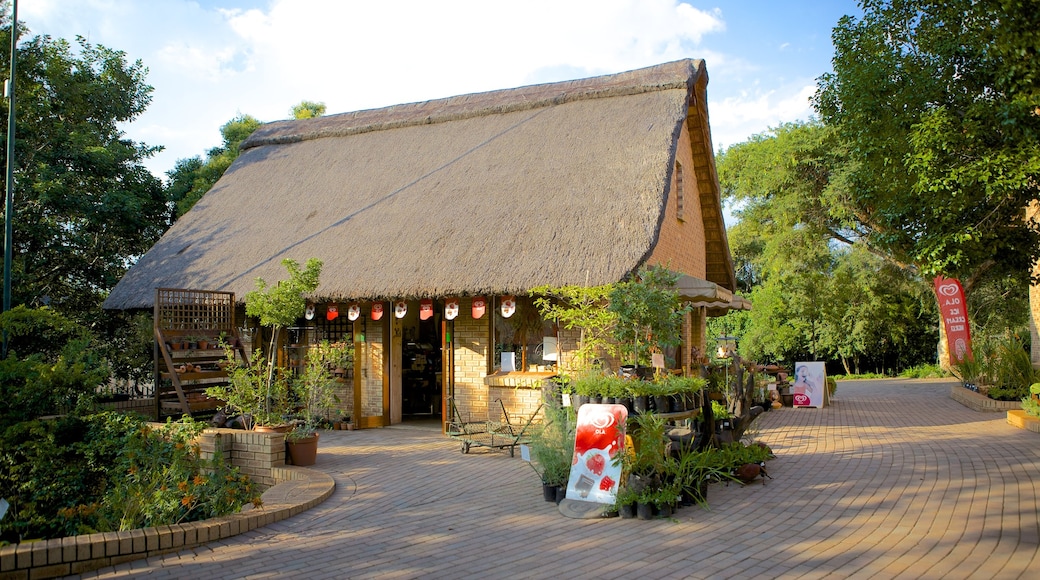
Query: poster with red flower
{"type": "Point", "coordinates": [599, 437]}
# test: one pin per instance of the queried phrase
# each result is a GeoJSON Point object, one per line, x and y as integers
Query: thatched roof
{"type": "Point", "coordinates": [491, 193]}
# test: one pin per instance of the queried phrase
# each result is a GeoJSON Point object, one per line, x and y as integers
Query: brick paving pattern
{"type": "Point", "coordinates": [895, 480]}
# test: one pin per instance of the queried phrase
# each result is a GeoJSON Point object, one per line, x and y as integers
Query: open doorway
{"type": "Point", "coordinates": [422, 383]}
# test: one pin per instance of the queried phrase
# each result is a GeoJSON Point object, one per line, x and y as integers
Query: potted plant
{"type": "Point", "coordinates": [248, 393]}
{"type": "Point", "coordinates": [552, 451]}
{"type": "Point", "coordinates": [646, 467]}
{"type": "Point", "coordinates": [649, 314]}
{"type": "Point", "coordinates": [279, 306]}
{"type": "Point", "coordinates": [314, 389]}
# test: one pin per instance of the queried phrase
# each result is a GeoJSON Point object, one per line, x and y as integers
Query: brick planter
{"type": "Point", "coordinates": [289, 491]}
{"type": "Point", "coordinates": [982, 403]}
{"type": "Point", "coordinates": [1023, 420]}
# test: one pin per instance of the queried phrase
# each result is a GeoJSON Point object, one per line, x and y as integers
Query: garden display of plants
{"type": "Point", "coordinates": [1001, 369]}
{"type": "Point", "coordinates": [110, 472]}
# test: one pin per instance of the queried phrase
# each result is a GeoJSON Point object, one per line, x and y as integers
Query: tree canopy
{"type": "Point", "coordinates": [85, 205]}
{"type": "Point", "coordinates": [192, 177]}
{"type": "Point", "coordinates": [935, 104]}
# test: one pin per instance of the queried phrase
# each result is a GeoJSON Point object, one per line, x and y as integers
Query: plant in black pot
{"type": "Point", "coordinates": [649, 314]}
{"type": "Point", "coordinates": [646, 469]}
{"type": "Point", "coordinates": [552, 450]}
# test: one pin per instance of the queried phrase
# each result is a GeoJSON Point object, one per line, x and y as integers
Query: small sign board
{"type": "Point", "coordinates": [810, 381]}
{"type": "Point", "coordinates": [599, 437]}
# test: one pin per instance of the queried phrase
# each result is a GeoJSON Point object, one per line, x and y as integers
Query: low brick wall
{"type": "Point", "coordinates": [289, 491]}
{"type": "Point", "coordinates": [1023, 420]}
{"type": "Point", "coordinates": [977, 402]}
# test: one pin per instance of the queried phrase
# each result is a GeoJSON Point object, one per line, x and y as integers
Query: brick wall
{"type": "Point", "coordinates": [372, 370]}
{"type": "Point", "coordinates": [256, 454]}
{"type": "Point", "coordinates": [472, 350]}
{"type": "Point", "coordinates": [681, 244]}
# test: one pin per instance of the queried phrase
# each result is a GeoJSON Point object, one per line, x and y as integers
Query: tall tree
{"type": "Point", "coordinates": [85, 205]}
{"type": "Point", "coordinates": [192, 177]}
{"type": "Point", "coordinates": [818, 290]}
{"type": "Point", "coordinates": [937, 102]}
{"type": "Point", "coordinates": [308, 110]}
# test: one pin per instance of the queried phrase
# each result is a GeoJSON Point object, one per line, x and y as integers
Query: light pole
{"type": "Point", "coordinates": [9, 200]}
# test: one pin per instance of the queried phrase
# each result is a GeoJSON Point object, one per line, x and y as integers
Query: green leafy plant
{"type": "Point", "coordinates": [315, 390]}
{"type": "Point", "coordinates": [649, 313]}
{"type": "Point", "coordinates": [109, 472]}
{"type": "Point", "coordinates": [1031, 403]}
{"type": "Point", "coordinates": [720, 411]}
{"type": "Point", "coordinates": [251, 393]}
{"type": "Point", "coordinates": [582, 308]}
{"type": "Point", "coordinates": [552, 446]}
{"type": "Point", "coordinates": [279, 306]}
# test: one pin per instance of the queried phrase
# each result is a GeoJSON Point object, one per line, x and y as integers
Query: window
{"type": "Point", "coordinates": [680, 191]}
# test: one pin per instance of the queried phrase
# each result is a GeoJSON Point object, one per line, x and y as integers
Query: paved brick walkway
{"type": "Point", "coordinates": [895, 480]}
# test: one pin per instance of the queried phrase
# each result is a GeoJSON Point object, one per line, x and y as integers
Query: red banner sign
{"type": "Point", "coordinates": [954, 311]}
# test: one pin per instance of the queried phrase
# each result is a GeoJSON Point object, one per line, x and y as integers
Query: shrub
{"type": "Point", "coordinates": [109, 472]}
{"type": "Point", "coordinates": [1030, 404]}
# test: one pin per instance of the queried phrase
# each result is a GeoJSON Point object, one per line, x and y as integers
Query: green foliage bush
{"type": "Point", "coordinates": [1003, 364]}
{"type": "Point", "coordinates": [1030, 403]}
{"type": "Point", "coordinates": [59, 370]}
{"type": "Point", "coordinates": [110, 472]}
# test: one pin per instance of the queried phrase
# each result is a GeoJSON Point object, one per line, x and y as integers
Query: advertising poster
{"type": "Point", "coordinates": [952, 306]}
{"type": "Point", "coordinates": [809, 384]}
{"type": "Point", "coordinates": [599, 437]}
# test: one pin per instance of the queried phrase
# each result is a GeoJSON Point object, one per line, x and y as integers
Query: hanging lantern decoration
{"type": "Point", "coordinates": [479, 305]}
{"type": "Point", "coordinates": [400, 309]}
{"type": "Point", "coordinates": [425, 309]}
{"type": "Point", "coordinates": [508, 306]}
{"type": "Point", "coordinates": [353, 311]}
{"type": "Point", "coordinates": [309, 313]}
{"type": "Point", "coordinates": [451, 308]}
{"type": "Point", "coordinates": [333, 311]}
{"type": "Point", "coordinates": [377, 310]}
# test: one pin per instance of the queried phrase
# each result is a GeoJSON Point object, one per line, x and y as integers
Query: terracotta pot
{"type": "Point", "coordinates": [272, 428]}
{"type": "Point", "coordinates": [304, 451]}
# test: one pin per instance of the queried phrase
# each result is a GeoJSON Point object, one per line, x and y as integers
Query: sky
{"type": "Point", "coordinates": [212, 60]}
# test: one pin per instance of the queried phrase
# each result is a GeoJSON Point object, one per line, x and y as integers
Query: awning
{"type": "Point", "coordinates": [715, 298]}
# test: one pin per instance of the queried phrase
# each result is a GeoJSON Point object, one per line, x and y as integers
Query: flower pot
{"type": "Point", "coordinates": [665, 511]}
{"type": "Point", "coordinates": [549, 492]}
{"type": "Point", "coordinates": [304, 450]}
{"type": "Point", "coordinates": [678, 403]}
{"type": "Point", "coordinates": [627, 511]}
{"type": "Point", "coordinates": [595, 399]}
{"type": "Point", "coordinates": [662, 403]}
{"type": "Point", "coordinates": [203, 344]}
{"type": "Point", "coordinates": [645, 511]}
{"type": "Point", "coordinates": [561, 493]}
{"type": "Point", "coordinates": [272, 428]}
{"type": "Point", "coordinates": [578, 400]}
{"type": "Point", "coordinates": [640, 404]}
{"type": "Point", "coordinates": [626, 402]}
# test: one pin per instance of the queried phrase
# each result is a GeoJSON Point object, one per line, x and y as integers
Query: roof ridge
{"type": "Point", "coordinates": [667, 76]}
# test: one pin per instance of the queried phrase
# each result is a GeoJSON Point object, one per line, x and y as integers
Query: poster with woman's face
{"type": "Point", "coordinates": [810, 379]}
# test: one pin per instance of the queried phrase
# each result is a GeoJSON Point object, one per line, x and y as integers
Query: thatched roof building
{"type": "Point", "coordinates": [490, 193]}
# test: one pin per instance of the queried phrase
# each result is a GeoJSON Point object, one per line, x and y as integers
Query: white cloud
{"type": "Point", "coordinates": [209, 64]}
{"type": "Point", "coordinates": [735, 119]}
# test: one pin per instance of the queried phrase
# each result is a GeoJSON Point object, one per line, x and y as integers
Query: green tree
{"type": "Point", "coordinates": [85, 205]}
{"type": "Point", "coordinates": [818, 289]}
{"type": "Point", "coordinates": [308, 110]}
{"type": "Point", "coordinates": [936, 101]}
{"type": "Point", "coordinates": [191, 178]}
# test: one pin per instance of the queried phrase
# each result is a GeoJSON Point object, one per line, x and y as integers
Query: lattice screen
{"type": "Point", "coordinates": [178, 309]}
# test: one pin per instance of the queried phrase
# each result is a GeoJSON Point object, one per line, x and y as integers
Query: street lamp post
{"type": "Point", "coordinates": [9, 200]}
